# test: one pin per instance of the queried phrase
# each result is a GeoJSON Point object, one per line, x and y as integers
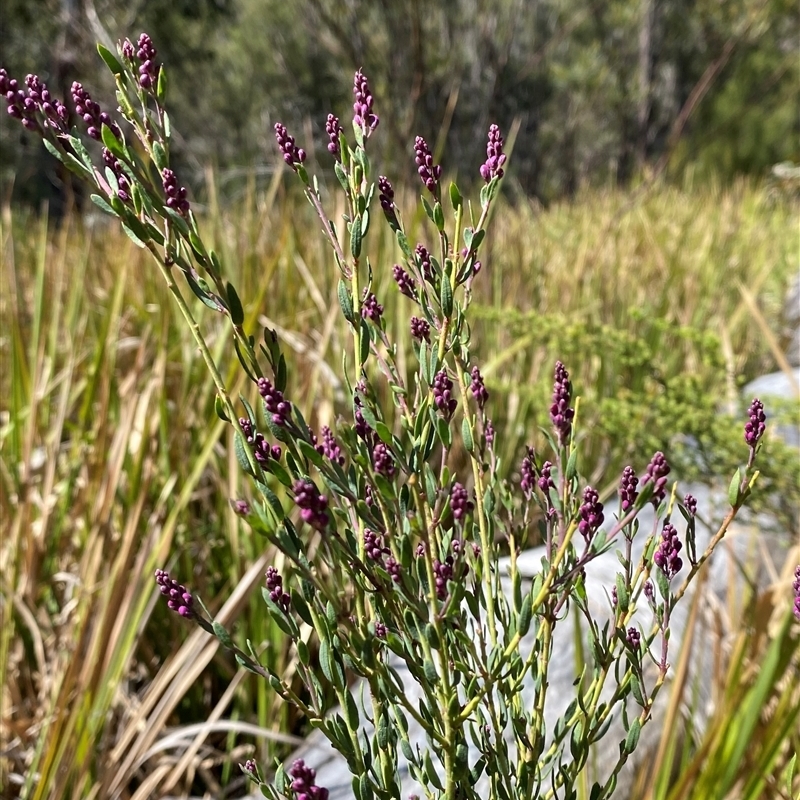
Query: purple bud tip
{"type": "Point", "coordinates": [179, 599]}
{"type": "Point", "coordinates": [666, 556]}
{"type": "Point", "coordinates": [561, 414]}
{"type": "Point", "coordinates": [495, 158]}
{"type": "Point", "coordinates": [363, 116]}
{"type": "Point", "coordinates": [292, 155]}
{"type": "Point", "coordinates": [460, 504]}
{"type": "Point", "coordinates": [313, 505]}
{"type": "Point", "coordinates": [796, 588]}
{"type": "Point", "coordinates": [443, 394]}
{"type": "Point", "coordinates": [429, 172]}
{"type": "Point", "coordinates": [756, 424]}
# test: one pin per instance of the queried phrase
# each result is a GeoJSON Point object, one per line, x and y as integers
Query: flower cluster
{"type": "Point", "coordinates": [383, 460]}
{"type": "Point", "coordinates": [240, 507]}
{"type": "Point", "coordinates": [666, 557]}
{"type": "Point", "coordinates": [262, 450]}
{"type": "Point", "coordinates": [123, 185]}
{"type": "Point", "coordinates": [330, 447]}
{"type": "Point", "coordinates": [633, 638]}
{"type": "Point", "coordinates": [54, 111]}
{"type": "Point", "coordinates": [333, 129]}
{"type": "Point", "coordinates": [386, 199]}
{"type": "Point", "coordinates": [690, 504]}
{"type": "Point", "coordinates": [443, 393]}
{"type": "Point", "coordinates": [424, 261]}
{"type": "Point", "coordinates": [275, 589]}
{"type": "Point", "coordinates": [394, 569]}
{"type": "Point", "coordinates": [304, 784]}
{"type": "Point", "coordinates": [754, 428]}
{"type": "Point", "coordinates": [656, 473]}
{"type": "Point", "coordinates": [148, 69]}
{"type": "Point", "coordinates": [176, 195]}
{"type": "Point", "coordinates": [274, 402]}
{"type": "Point", "coordinates": [443, 572]}
{"type": "Point", "coordinates": [495, 158]}
{"type": "Point", "coordinates": [545, 478]}
{"type": "Point", "coordinates": [591, 513]}
{"type": "Point", "coordinates": [90, 112]}
{"type": "Point", "coordinates": [460, 504]}
{"type": "Point", "coordinates": [363, 116]}
{"type": "Point", "coordinates": [420, 329]}
{"type": "Point", "coordinates": [561, 413]}
{"type": "Point", "coordinates": [16, 104]}
{"type": "Point", "coordinates": [528, 472]}
{"type": "Point", "coordinates": [313, 505]}
{"type": "Point", "coordinates": [371, 308]}
{"type": "Point", "coordinates": [429, 172]}
{"type": "Point", "coordinates": [478, 388]}
{"type": "Point", "coordinates": [179, 598]}
{"type": "Point", "coordinates": [374, 547]}
{"type": "Point", "coordinates": [627, 488]}
{"type": "Point", "coordinates": [405, 283]}
{"type": "Point", "coordinates": [293, 155]}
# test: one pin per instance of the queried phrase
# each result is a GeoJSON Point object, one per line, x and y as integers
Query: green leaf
{"type": "Point", "coordinates": [623, 598]}
{"type": "Point", "coordinates": [69, 161]}
{"type": "Point", "coordinates": [346, 302]}
{"type": "Point", "coordinates": [431, 676]}
{"type": "Point", "coordinates": [443, 432]}
{"type": "Point", "coordinates": [427, 206]}
{"type": "Point", "coordinates": [219, 408]}
{"type": "Point", "coordinates": [384, 434]}
{"type": "Point", "coordinates": [234, 305]}
{"type": "Point", "coordinates": [402, 242]}
{"type": "Point", "coordinates": [356, 237]}
{"type": "Point", "coordinates": [161, 88]}
{"type": "Point", "coordinates": [455, 197]}
{"type": "Point", "coordinates": [99, 201]}
{"type": "Point", "coordinates": [111, 60]}
{"type": "Point", "coordinates": [111, 142]}
{"type": "Point", "coordinates": [734, 489]}
{"type": "Point", "coordinates": [132, 236]}
{"type": "Point", "coordinates": [438, 217]}
{"type": "Point", "coordinates": [160, 158]}
{"type": "Point", "coordinates": [525, 615]}
{"type": "Point", "coordinates": [364, 342]}
{"type": "Point", "coordinates": [446, 297]}
{"type": "Point", "coordinates": [632, 739]}
{"type": "Point", "coordinates": [240, 448]}
{"type": "Point", "coordinates": [223, 635]}
{"type": "Point", "coordinates": [351, 709]}
{"type": "Point", "coordinates": [466, 435]}
{"type": "Point", "coordinates": [572, 465]}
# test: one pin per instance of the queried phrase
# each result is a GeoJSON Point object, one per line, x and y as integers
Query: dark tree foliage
{"type": "Point", "coordinates": [596, 91]}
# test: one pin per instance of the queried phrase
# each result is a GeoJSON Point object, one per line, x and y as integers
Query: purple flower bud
{"type": "Point", "coordinates": [591, 513]}
{"type": "Point", "coordinates": [303, 782]}
{"type": "Point", "coordinates": [374, 546]}
{"type": "Point", "coordinates": [91, 113]}
{"type": "Point", "coordinates": [478, 387]}
{"type": "Point", "coordinates": [633, 638]}
{"type": "Point", "coordinates": [690, 503]}
{"type": "Point", "coordinates": [561, 413]}
{"type": "Point", "coordinates": [429, 172]}
{"type": "Point", "coordinates": [179, 598]}
{"type": "Point", "coordinates": [754, 428]}
{"type": "Point", "coordinates": [380, 630]}
{"type": "Point", "coordinates": [394, 569]}
{"type": "Point", "coordinates": [240, 507]}
{"type": "Point", "coordinates": [330, 447]}
{"type": "Point", "coordinates": [363, 117]}
{"type": "Point", "coordinates": [148, 71]}
{"type": "Point", "coordinates": [313, 505]}
{"type": "Point", "coordinates": [528, 472]}
{"type": "Point", "coordinates": [424, 262]}
{"type": "Point", "coordinates": [333, 129]}
{"type": "Point", "coordinates": [656, 473]}
{"type": "Point", "coordinates": [386, 198]}
{"type": "Point", "coordinates": [176, 195]}
{"type": "Point", "coordinates": [649, 591]}
{"type": "Point", "coordinates": [488, 433]}
{"type": "Point", "coordinates": [614, 598]}
{"type": "Point", "coordinates": [262, 450]}
{"type": "Point", "coordinates": [371, 308]}
{"type": "Point", "coordinates": [460, 504]}
{"type": "Point", "coordinates": [123, 186]}
{"type": "Point", "coordinates": [275, 589]}
{"type": "Point", "coordinates": [443, 572]}
{"type": "Point", "coordinates": [292, 154]}
{"type": "Point", "coordinates": [796, 588]}
{"type": "Point", "coordinates": [274, 402]}
{"type": "Point", "coordinates": [666, 557]}
{"type": "Point", "coordinates": [627, 488]}
{"type": "Point", "coordinates": [382, 460]}
{"type": "Point", "coordinates": [404, 281]}
{"type": "Point", "coordinates": [495, 158]}
{"type": "Point", "coordinates": [443, 394]}
{"type": "Point", "coordinates": [420, 329]}
{"type": "Point", "coordinates": [128, 50]}
{"type": "Point", "coordinates": [545, 480]}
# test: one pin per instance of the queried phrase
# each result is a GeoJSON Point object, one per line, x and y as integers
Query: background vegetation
{"type": "Point", "coordinates": [663, 296]}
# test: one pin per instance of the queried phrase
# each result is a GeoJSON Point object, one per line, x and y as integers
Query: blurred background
{"type": "Point", "coordinates": [602, 91]}
{"type": "Point", "coordinates": [647, 235]}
